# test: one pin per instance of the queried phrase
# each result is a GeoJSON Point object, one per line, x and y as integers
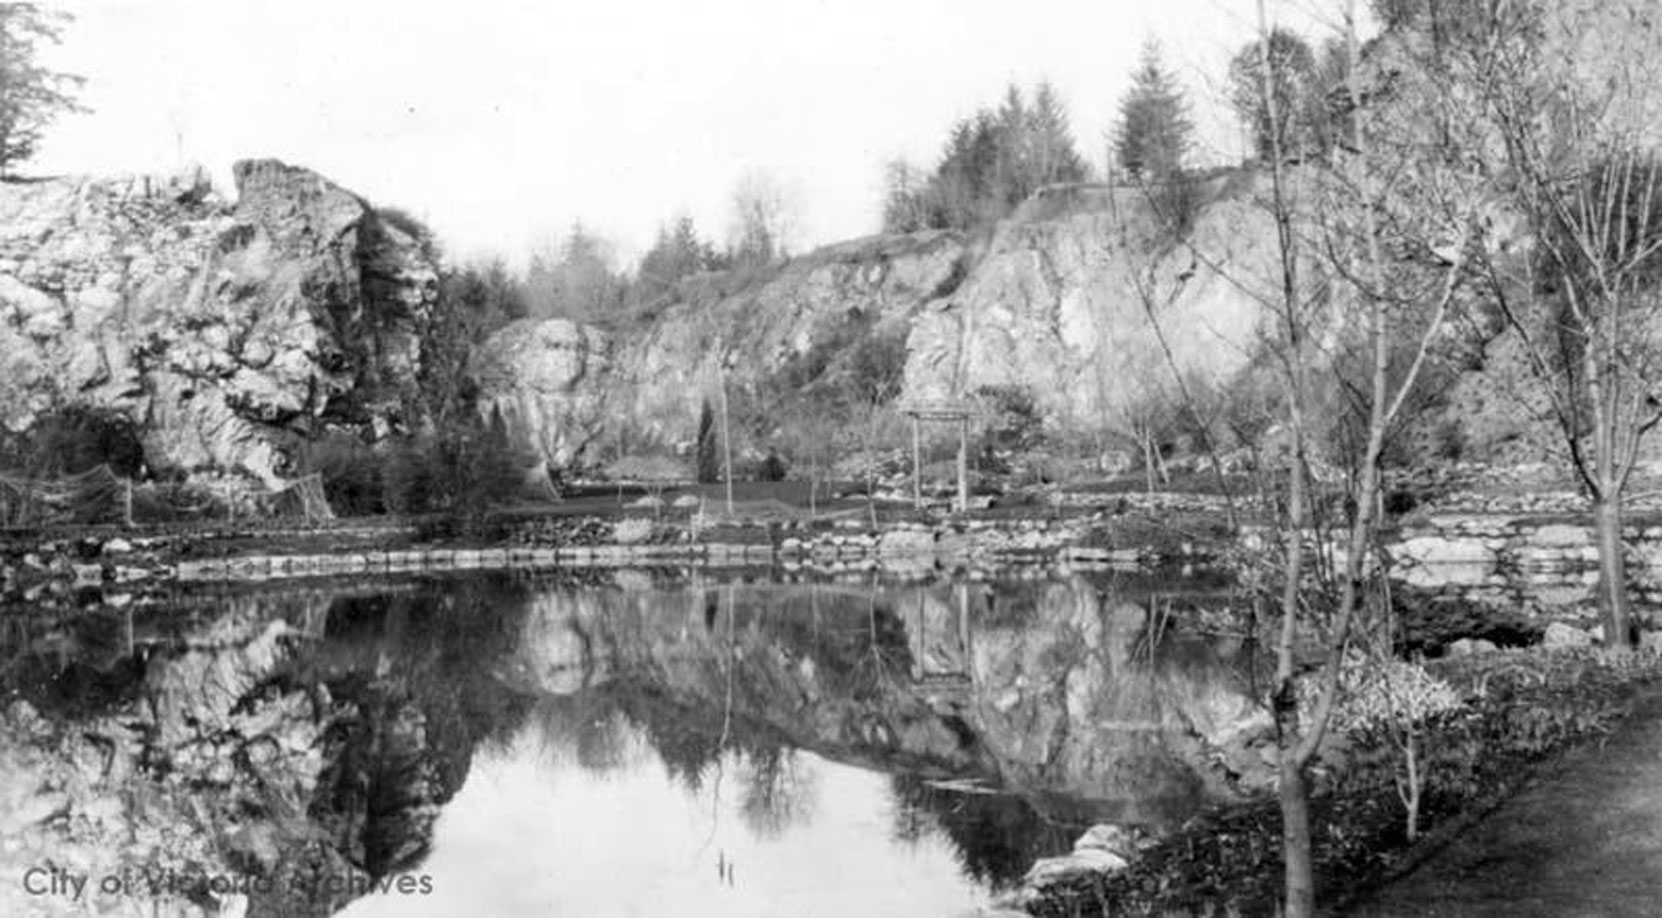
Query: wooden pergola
{"type": "Point", "coordinates": [951, 412]}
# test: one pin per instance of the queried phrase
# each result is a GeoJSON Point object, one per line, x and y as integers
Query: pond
{"type": "Point", "coordinates": [508, 746]}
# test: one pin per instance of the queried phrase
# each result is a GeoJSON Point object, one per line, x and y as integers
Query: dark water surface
{"type": "Point", "coordinates": [649, 744]}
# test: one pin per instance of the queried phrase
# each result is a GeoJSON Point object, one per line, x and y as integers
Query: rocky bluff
{"type": "Point", "coordinates": [227, 332]}
{"type": "Point", "coordinates": [1055, 300]}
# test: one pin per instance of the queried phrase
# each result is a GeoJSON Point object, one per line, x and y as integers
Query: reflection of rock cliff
{"type": "Point", "coordinates": [1047, 691]}
{"type": "Point", "coordinates": [224, 331]}
{"type": "Point", "coordinates": [252, 749]}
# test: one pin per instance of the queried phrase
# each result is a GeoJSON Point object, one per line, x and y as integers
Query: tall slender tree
{"type": "Point", "coordinates": [1155, 133]}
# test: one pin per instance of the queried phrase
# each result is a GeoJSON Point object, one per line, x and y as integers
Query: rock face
{"type": "Point", "coordinates": [541, 376]}
{"type": "Point", "coordinates": [750, 326]}
{"type": "Point", "coordinates": [1053, 306]}
{"type": "Point", "coordinates": [1048, 304]}
{"type": "Point", "coordinates": [226, 332]}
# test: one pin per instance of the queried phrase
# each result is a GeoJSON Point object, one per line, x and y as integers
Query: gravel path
{"type": "Point", "coordinates": [1584, 839]}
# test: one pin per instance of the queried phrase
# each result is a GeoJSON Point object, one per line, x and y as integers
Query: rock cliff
{"type": "Point", "coordinates": [226, 332]}
{"type": "Point", "coordinates": [1055, 301]}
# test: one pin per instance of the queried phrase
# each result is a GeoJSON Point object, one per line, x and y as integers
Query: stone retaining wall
{"type": "Point", "coordinates": [1457, 549]}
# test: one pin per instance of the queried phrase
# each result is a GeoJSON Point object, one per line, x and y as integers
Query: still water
{"type": "Point", "coordinates": [507, 747]}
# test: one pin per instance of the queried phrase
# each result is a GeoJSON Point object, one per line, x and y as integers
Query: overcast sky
{"type": "Point", "coordinates": [502, 121]}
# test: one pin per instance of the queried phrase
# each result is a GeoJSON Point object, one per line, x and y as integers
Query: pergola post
{"type": "Point", "coordinates": [963, 465]}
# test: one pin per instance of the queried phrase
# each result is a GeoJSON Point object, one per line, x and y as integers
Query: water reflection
{"type": "Point", "coordinates": [535, 747]}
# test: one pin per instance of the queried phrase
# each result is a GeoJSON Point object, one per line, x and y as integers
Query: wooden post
{"type": "Point", "coordinates": [963, 465]}
{"type": "Point", "coordinates": [127, 506]}
{"type": "Point", "coordinates": [917, 465]}
{"type": "Point", "coordinates": [726, 441]}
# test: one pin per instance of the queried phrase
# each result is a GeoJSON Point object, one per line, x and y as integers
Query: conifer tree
{"type": "Point", "coordinates": [1154, 133]}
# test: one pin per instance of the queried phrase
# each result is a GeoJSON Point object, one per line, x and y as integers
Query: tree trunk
{"type": "Point", "coordinates": [1295, 838]}
{"type": "Point", "coordinates": [1613, 607]}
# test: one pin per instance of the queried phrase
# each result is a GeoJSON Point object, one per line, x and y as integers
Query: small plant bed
{"type": "Point", "coordinates": [1516, 711]}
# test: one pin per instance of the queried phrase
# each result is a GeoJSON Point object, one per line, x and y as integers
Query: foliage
{"type": "Point", "coordinates": [465, 469]}
{"type": "Point", "coordinates": [1154, 132]}
{"type": "Point", "coordinates": [677, 253]}
{"type": "Point", "coordinates": [1381, 693]}
{"type": "Point", "coordinates": [1298, 88]}
{"type": "Point", "coordinates": [1015, 420]}
{"type": "Point", "coordinates": [74, 439]}
{"type": "Point", "coordinates": [576, 278]}
{"type": "Point", "coordinates": [31, 95]}
{"type": "Point", "coordinates": [766, 218]}
{"type": "Point", "coordinates": [351, 473]}
{"type": "Point", "coordinates": [708, 451]}
{"type": "Point", "coordinates": [473, 302]}
{"type": "Point", "coordinates": [992, 161]}
{"type": "Point", "coordinates": [1445, 21]}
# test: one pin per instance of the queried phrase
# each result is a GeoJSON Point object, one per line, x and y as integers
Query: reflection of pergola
{"type": "Point", "coordinates": [952, 412]}
{"type": "Point", "coordinates": [952, 671]}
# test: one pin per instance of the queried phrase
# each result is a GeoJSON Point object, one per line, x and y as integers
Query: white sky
{"type": "Point", "coordinates": [502, 121]}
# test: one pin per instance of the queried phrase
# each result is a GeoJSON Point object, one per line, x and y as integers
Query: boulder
{"type": "Point", "coordinates": [1466, 647]}
{"type": "Point", "coordinates": [1559, 634]}
{"type": "Point", "coordinates": [1048, 871]}
{"type": "Point", "coordinates": [1108, 837]}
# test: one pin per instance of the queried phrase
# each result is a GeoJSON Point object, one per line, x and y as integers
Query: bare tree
{"type": "Point", "coordinates": [766, 219]}
{"type": "Point", "coordinates": [1585, 303]}
{"type": "Point", "coordinates": [1356, 291]}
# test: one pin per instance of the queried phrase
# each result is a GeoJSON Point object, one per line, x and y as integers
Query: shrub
{"type": "Point", "coordinates": [351, 473]}
{"type": "Point", "coordinates": [1016, 423]}
{"type": "Point", "coordinates": [709, 455]}
{"type": "Point", "coordinates": [75, 439]}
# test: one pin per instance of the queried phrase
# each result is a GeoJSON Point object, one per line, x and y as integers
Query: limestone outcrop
{"type": "Point", "coordinates": [545, 377]}
{"type": "Point", "coordinates": [226, 332]}
{"type": "Point", "coordinates": [1048, 303]}
{"type": "Point", "coordinates": [1061, 302]}
{"type": "Point", "coordinates": [748, 326]}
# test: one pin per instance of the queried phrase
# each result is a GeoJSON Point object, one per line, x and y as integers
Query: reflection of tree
{"type": "Point", "coordinates": [882, 655]}
{"type": "Point", "coordinates": [776, 792]}
{"type": "Point", "coordinates": [996, 836]}
{"type": "Point", "coordinates": [587, 726]}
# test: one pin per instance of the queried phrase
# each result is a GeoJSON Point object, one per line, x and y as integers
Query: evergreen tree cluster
{"type": "Point", "coordinates": [677, 253]}
{"type": "Point", "coordinates": [992, 161]}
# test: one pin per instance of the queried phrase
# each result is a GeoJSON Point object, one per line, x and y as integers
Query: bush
{"type": "Point", "coordinates": [351, 473]}
{"type": "Point", "coordinates": [466, 470]}
{"type": "Point", "coordinates": [1016, 423]}
{"type": "Point", "coordinates": [771, 468]}
{"type": "Point", "coordinates": [74, 439]}
{"type": "Point", "coordinates": [709, 453]}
